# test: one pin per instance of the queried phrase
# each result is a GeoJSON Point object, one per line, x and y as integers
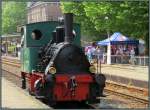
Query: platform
{"type": "Point", "coordinates": [129, 71]}
{"type": "Point", "coordinates": [14, 97]}
{"type": "Point", "coordinates": [127, 74]}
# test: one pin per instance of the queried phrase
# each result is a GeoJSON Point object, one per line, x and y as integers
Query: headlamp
{"type": "Point", "coordinates": [92, 69]}
{"type": "Point", "coordinates": [52, 70]}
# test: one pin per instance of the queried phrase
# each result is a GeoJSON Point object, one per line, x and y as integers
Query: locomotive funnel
{"type": "Point", "coordinates": [68, 23]}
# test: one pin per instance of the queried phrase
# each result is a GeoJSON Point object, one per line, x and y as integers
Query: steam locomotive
{"type": "Point", "coordinates": [54, 67]}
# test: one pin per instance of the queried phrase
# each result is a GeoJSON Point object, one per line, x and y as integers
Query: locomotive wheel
{"type": "Point", "coordinates": [100, 79]}
{"type": "Point", "coordinates": [39, 89]}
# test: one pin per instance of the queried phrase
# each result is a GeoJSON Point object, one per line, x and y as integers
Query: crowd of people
{"type": "Point", "coordinates": [119, 53]}
{"type": "Point", "coordinates": [94, 53]}
{"type": "Point", "coordinates": [124, 53]}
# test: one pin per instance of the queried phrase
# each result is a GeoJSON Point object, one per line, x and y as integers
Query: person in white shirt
{"type": "Point", "coordinates": [132, 54]}
{"type": "Point", "coordinates": [89, 54]}
{"type": "Point", "coordinates": [117, 56]}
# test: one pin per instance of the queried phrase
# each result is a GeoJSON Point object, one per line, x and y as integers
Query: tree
{"type": "Point", "coordinates": [128, 17]}
{"type": "Point", "coordinates": [13, 14]}
{"type": "Point", "coordinates": [87, 26]}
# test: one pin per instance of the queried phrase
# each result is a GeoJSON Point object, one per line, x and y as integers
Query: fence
{"type": "Point", "coordinates": [124, 59]}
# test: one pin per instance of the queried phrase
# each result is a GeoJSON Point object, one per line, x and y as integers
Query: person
{"type": "Point", "coordinates": [16, 51]}
{"type": "Point", "coordinates": [99, 57]}
{"type": "Point", "coordinates": [127, 57]}
{"type": "Point", "coordinates": [3, 49]}
{"type": "Point", "coordinates": [132, 53]}
{"type": "Point", "coordinates": [121, 54]}
{"type": "Point", "coordinates": [117, 53]}
{"type": "Point", "coordinates": [22, 41]}
{"type": "Point", "coordinates": [86, 50]}
{"type": "Point", "coordinates": [97, 53]}
{"type": "Point", "coordinates": [136, 50]}
{"type": "Point", "coordinates": [89, 54]}
{"type": "Point", "coordinates": [113, 55]}
{"type": "Point", "coordinates": [121, 50]}
{"type": "Point", "coordinates": [102, 54]}
{"type": "Point", "coordinates": [92, 51]}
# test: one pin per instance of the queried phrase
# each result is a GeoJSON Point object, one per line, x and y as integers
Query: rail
{"type": "Point", "coordinates": [130, 92]}
{"type": "Point", "coordinates": [139, 100]}
{"type": "Point", "coordinates": [12, 63]}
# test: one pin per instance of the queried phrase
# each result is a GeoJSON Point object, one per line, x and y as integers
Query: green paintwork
{"type": "Point", "coordinates": [29, 52]}
{"type": "Point", "coordinates": [30, 59]}
{"type": "Point", "coordinates": [46, 29]}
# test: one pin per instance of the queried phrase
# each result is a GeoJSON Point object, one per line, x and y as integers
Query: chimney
{"type": "Point", "coordinates": [68, 23]}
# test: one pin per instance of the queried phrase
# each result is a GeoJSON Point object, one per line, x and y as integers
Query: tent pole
{"type": "Point", "coordinates": [108, 50]}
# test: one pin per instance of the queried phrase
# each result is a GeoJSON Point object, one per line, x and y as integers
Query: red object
{"type": "Point", "coordinates": [33, 78]}
{"type": "Point", "coordinates": [81, 92]}
{"type": "Point", "coordinates": [61, 90]}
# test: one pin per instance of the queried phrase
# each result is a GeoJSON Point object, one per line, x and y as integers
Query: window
{"type": "Point", "coordinates": [36, 34]}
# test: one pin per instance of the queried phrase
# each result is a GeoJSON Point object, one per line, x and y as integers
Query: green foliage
{"type": "Point", "coordinates": [128, 17]}
{"type": "Point", "coordinates": [13, 14]}
{"type": "Point", "coordinates": [87, 26]}
{"type": "Point", "coordinates": [11, 48]}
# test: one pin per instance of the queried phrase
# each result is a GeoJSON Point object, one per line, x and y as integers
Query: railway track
{"type": "Point", "coordinates": [137, 99]}
{"type": "Point", "coordinates": [139, 90]}
{"type": "Point", "coordinates": [111, 88]}
{"type": "Point", "coordinates": [10, 60]}
{"type": "Point", "coordinates": [15, 63]}
{"type": "Point", "coordinates": [14, 78]}
{"type": "Point", "coordinates": [139, 95]}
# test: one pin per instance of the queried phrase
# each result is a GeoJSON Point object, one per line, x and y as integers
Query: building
{"type": "Point", "coordinates": [43, 11]}
{"type": "Point", "coordinates": [9, 43]}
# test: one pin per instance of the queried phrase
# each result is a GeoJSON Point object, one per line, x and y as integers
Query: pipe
{"type": "Point", "coordinates": [68, 23]}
